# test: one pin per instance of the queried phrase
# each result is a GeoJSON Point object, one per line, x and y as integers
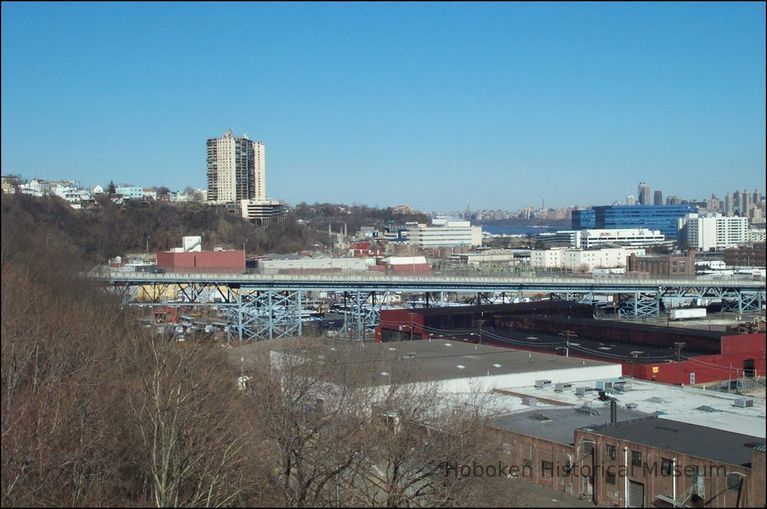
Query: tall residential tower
{"type": "Point", "coordinates": [236, 169]}
{"type": "Point", "coordinates": [644, 195]}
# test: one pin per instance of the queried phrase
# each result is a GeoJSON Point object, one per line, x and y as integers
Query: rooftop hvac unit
{"type": "Point", "coordinates": [604, 384]}
{"type": "Point", "coordinates": [539, 384]}
{"type": "Point", "coordinates": [580, 391]}
{"type": "Point", "coordinates": [631, 406]}
{"type": "Point", "coordinates": [743, 403]}
{"type": "Point", "coordinates": [529, 401]}
{"type": "Point", "coordinates": [558, 387]}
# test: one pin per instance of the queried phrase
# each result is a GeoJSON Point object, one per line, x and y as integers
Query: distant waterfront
{"type": "Point", "coordinates": [504, 229]}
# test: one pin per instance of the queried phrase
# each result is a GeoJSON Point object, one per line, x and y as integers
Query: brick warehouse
{"type": "Point", "coordinates": [636, 460]}
{"type": "Point", "coordinates": [648, 352]}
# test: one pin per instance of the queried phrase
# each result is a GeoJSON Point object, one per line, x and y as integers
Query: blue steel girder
{"type": "Point", "coordinates": [365, 310]}
{"type": "Point", "coordinates": [191, 292]}
{"type": "Point", "coordinates": [736, 300]}
{"type": "Point", "coordinates": [639, 305]}
{"type": "Point", "coordinates": [635, 297]}
{"type": "Point", "coordinates": [268, 314]}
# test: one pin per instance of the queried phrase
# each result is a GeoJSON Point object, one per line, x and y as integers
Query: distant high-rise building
{"type": "Point", "coordinates": [643, 194]}
{"type": "Point", "coordinates": [657, 198]}
{"type": "Point", "coordinates": [630, 200]}
{"type": "Point", "coordinates": [729, 209]}
{"type": "Point", "coordinates": [745, 203]}
{"type": "Point", "coordinates": [757, 197]}
{"type": "Point", "coordinates": [236, 169]}
{"type": "Point", "coordinates": [736, 205]}
{"type": "Point", "coordinates": [713, 204]}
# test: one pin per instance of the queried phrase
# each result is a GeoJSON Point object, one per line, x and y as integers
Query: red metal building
{"type": "Point", "coordinates": [650, 352]}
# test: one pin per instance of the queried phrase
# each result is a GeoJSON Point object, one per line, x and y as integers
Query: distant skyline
{"type": "Point", "coordinates": [440, 106]}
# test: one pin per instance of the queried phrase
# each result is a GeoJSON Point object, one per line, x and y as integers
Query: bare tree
{"type": "Point", "coordinates": [185, 409]}
{"type": "Point", "coordinates": [340, 438]}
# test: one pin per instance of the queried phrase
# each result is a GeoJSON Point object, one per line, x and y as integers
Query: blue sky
{"type": "Point", "coordinates": [440, 106]}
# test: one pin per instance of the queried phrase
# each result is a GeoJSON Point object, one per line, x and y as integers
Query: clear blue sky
{"type": "Point", "coordinates": [495, 105]}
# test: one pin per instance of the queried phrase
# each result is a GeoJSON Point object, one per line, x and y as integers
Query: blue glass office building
{"type": "Point", "coordinates": [583, 219]}
{"type": "Point", "coordinates": [653, 217]}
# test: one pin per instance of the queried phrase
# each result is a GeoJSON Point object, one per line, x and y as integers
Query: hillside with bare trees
{"type": "Point", "coordinates": [98, 411]}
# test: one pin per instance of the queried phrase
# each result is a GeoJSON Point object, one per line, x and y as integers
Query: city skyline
{"type": "Point", "coordinates": [383, 104]}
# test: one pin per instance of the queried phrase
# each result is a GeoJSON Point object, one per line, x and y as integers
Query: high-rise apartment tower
{"type": "Point", "coordinates": [236, 169]}
{"type": "Point", "coordinates": [644, 195]}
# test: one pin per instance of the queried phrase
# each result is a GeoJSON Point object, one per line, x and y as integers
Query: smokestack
{"type": "Point", "coordinates": [613, 412]}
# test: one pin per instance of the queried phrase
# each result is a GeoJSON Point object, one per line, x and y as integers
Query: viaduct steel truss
{"type": "Point", "coordinates": [260, 307]}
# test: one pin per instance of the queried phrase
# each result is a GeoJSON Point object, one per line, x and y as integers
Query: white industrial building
{"type": "Point", "coordinates": [454, 366]}
{"type": "Point", "coordinates": [315, 264]}
{"type": "Point", "coordinates": [712, 231]}
{"type": "Point", "coordinates": [445, 233]}
{"type": "Point", "coordinates": [632, 237]}
{"type": "Point", "coordinates": [580, 259]}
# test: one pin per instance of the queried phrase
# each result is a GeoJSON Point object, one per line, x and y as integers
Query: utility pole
{"type": "Point", "coordinates": [567, 335]}
{"type": "Point", "coordinates": [678, 345]}
{"type": "Point", "coordinates": [480, 322]}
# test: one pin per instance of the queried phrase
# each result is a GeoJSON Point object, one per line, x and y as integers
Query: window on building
{"type": "Point", "coordinates": [636, 458]}
{"type": "Point", "coordinates": [734, 481]}
{"type": "Point", "coordinates": [666, 467]}
{"type": "Point", "coordinates": [611, 453]}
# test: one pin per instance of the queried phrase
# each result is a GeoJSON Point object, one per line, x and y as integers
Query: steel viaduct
{"type": "Point", "coordinates": [270, 306]}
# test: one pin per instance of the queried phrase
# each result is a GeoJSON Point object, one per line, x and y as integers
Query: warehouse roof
{"type": "Point", "coordinates": [559, 424]}
{"type": "Point", "coordinates": [436, 360]}
{"type": "Point", "coordinates": [692, 405]}
{"type": "Point", "coordinates": [686, 438]}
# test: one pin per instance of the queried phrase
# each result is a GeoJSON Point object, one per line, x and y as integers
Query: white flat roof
{"type": "Point", "coordinates": [676, 403]}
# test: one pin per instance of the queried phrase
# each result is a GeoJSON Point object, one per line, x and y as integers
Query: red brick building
{"type": "Point", "coordinates": [202, 261]}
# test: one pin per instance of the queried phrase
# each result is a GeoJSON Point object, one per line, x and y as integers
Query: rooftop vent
{"type": "Point", "coordinates": [659, 413]}
{"type": "Point", "coordinates": [448, 344]}
{"type": "Point", "coordinates": [496, 365]}
{"type": "Point", "coordinates": [743, 403]}
{"type": "Point", "coordinates": [580, 391]}
{"type": "Point", "coordinates": [631, 406]}
{"type": "Point", "coordinates": [585, 410]}
{"type": "Point", "coordinates": [536, 416]}
{"type": "Point", "coordinates": [539, 384]}
{"type": "Point", "coordinates": [706, 408]}
{"type": "Point", "coordinates": [461, 366]}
